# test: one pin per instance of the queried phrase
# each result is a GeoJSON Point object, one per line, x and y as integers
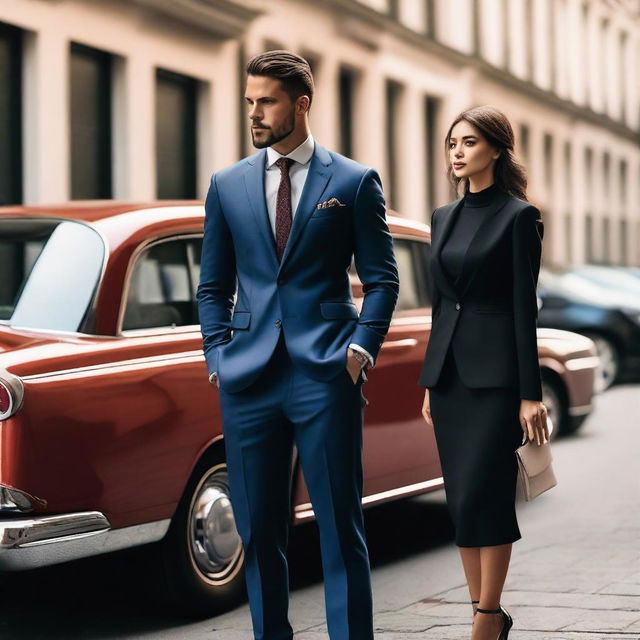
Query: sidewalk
{"type": "Point", "coordinates": [575, 574]}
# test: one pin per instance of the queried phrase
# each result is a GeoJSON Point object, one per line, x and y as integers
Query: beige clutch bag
{"type": "Point", "coordinates": [535, 472]}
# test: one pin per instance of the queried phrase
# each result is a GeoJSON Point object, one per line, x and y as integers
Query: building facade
{"type": "Point", "coordinates": [143, 99]}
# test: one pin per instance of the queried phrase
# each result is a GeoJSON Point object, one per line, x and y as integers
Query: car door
{"type": "Point", "coordinates": [400, 451]}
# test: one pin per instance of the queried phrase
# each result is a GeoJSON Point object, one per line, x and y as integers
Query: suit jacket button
{"type": "Point", "coordinates": [278, 323]}
{"type": "Point", "coordinates": [458, 306]}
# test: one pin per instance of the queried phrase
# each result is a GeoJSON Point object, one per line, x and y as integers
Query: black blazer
{"type": "Point", "coordinates": [489, 314]}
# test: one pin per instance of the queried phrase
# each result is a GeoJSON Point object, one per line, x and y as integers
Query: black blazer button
{"type": "Point", "coordinates": [458, 307]}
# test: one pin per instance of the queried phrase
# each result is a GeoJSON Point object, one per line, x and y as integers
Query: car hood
{"type": "Point", "coordinates": [565, 344]}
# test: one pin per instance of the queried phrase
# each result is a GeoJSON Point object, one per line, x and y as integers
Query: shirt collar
{"type": "Point", "coordinates": [302, 153]}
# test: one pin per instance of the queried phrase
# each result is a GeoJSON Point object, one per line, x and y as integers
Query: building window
{"type": "Point", "coordinates": [10, 115]}
{"type": "Point", "coordinates": [606, 178]}
{"type": "Point", "coordinates": [588, 232]}
{"type": "Point", "coordinates": [242, 103]}
{"type": "Point", "coordinates": [90, 117]}
{"type": "Point", "coordinates": [431, 106]}
{"type": "Point", "coordinates": [624, 229]}
{"type": "Point", "coordinates": [175, 136]}
{"type": "Point", "coordinates": [548, 159]}
{"type": "Point", "coordinates": [568, 240]}
{"type": "Point", "coordinates": [622, 83]}
{"type": "Point", "coordinates": [430, 18]}
{"type": "Point", "coordinates": [623, 185]}
{"type": "Point", "coordinates": [393, 93]}
{"type": "Point", "coordinates": [524, 142]}
{"type": "Point", "coordinates": [528, 36]}
{"type": "Point", "coordinates": [606, 240]}
{"type": "Point", "coordinates": [347, 79]}
{"type": "Point", "coordinates": [475, 27]}
{"type": "Point", "coordinates": [588, 172]}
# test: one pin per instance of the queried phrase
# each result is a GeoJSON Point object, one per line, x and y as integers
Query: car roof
{"type": "Point", "coordinates": [119, 216]}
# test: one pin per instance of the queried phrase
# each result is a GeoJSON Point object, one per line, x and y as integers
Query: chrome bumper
{"type": "Point", "coordinates": [28, 543]}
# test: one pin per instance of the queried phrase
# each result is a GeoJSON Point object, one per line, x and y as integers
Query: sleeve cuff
{"type": "Point", "coordinates": [357, 347]}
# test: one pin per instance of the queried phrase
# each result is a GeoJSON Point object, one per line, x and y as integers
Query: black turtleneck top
{"type": "Point", "coordinates": [475, 209]}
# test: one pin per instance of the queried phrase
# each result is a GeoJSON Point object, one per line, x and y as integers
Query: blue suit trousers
{"type": "Point", "coordinates": [325, 421]}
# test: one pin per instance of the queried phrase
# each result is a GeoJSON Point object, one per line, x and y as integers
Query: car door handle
{"type": "Point", "coordinates": [401, 345]}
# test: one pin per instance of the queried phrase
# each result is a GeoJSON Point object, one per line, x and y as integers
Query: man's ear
{"type": "Point", "coordinates": [302, 104]}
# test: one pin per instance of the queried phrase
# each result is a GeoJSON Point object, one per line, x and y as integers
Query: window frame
{"type": "Point", "coordinates": [133, 261]}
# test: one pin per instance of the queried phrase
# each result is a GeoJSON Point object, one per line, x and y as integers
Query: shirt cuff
{"type": "Point", "coordinates": [357, 347]}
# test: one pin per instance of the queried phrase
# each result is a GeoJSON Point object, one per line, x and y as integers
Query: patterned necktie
{"type": "Point", "coordinates": [283, 206]}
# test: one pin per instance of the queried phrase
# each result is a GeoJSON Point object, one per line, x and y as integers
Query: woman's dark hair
{"type": "Point", "coordinates": [292, 70]}
{"type": "Point", "coordinates": [509, 175]}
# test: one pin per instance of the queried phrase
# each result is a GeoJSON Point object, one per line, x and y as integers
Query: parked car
{"type": "Point", "coordinates": [111, 435]}
{"type": "Point", "coordinates": [610, 277]}
{"type": "Point", "coordinates": [607, 315]}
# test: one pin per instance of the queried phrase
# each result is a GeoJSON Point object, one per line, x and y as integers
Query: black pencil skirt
{"type": "Point", "coordinates": [477, 432]}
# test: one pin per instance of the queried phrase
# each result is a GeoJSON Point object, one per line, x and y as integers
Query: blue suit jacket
{"type": "Point", "coordinates": [307, 295]}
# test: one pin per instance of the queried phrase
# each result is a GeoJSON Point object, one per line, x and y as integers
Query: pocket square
{"type": "Point", "coordinates": [331, 202]}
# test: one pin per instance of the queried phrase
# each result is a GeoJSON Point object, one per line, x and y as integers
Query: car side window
{"type": "Point", "coordinates": [162, 287]}
{"type": "Point", "coordinates": [414, 292]}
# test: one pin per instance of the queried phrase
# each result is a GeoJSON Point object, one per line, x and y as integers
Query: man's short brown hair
{"type": "Point", "coordinates": [292, 70]}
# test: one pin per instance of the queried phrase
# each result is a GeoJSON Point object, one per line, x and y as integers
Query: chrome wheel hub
{"type": "Point", "coordinates": [215, 545]}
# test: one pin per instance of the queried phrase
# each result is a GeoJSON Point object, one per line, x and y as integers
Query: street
{"type": "Point", "coordinates": [575, 574]}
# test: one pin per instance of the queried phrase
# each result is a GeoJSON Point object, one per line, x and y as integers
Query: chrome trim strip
{"type": "Point", "coordinates": [589, 362]}
{"type": "Point", "coordinates": [580, 410]}
{"type": "Point", "coordinates": [27, 543]}
{"type": "Point", "coordinates": [146, 362]}
{"type": "Point", "coordinates": [305, 510]}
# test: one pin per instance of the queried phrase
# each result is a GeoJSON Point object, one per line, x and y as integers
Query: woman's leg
{"type": "Point", "coordinates": [494, 564]}
{"type": "Point", "coordinates": [471, 564]}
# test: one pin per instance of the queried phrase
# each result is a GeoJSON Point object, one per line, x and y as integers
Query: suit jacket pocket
{"type": "Point", "coordinates": [328, 212]}
{"type": "Point", "coordinates": [241, 320]}
{"type": "Point", "coordinates": [338, 311]}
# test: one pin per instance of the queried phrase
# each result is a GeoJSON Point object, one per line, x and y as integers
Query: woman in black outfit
{"type": "Point", "coordinates": [481, 369]}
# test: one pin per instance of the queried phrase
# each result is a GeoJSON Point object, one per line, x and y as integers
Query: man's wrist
{"type": "Point", "coordinates": [361, 358]}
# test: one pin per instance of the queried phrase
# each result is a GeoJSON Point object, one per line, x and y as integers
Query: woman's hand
{"type": "Point", "coordinates": [426, 409]}
{"type": "Point", "coordinates": [533, 420]}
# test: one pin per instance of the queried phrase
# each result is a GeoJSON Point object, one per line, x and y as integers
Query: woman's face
{"type": "Point", "coordinates": [469, 152]}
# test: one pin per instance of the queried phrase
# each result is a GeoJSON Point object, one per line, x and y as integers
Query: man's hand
{"type": "Point", "coordinates": [353, 365]}
{"type": "Point", "coordinates": [213, 379]}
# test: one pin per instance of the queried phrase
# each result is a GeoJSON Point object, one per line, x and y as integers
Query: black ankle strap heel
{"type": "Point", "coordinates": [507, 620]}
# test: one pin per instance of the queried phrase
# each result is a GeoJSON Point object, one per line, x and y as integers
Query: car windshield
{"type": "Point", "coordinates": [610, 277]}
{"type": "Point", "coordinates": [50, 271]}
{"type": "Point", "coordinates": [576, 287]}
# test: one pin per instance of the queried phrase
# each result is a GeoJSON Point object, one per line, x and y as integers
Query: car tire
{"type": "Point", "coordinates": [554, 400]}
{"type": "Point", "coordinates": [609, 367]}
{"type": "Point", "coordinates": [201, 557]}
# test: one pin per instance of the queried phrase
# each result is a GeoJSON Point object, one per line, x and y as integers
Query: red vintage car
{"type": "Point", "coordinates": [110, 433]}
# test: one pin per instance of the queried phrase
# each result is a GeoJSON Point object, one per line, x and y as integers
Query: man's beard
{"type": "Point", "coordinates": [274, 138]}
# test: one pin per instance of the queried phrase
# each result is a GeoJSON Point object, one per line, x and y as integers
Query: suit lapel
{"type": "Point", "coordinates": [478, 248]}
{"type": "Point", "coordinates": [320, 172]}
{"type": "Point", "coordinates": [254, 185]}
{"type": "Point", "coordinates": [451, 213]}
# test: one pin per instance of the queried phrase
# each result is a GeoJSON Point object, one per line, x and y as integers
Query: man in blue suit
{"type": "Point", "coordinates": [289, 356]}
